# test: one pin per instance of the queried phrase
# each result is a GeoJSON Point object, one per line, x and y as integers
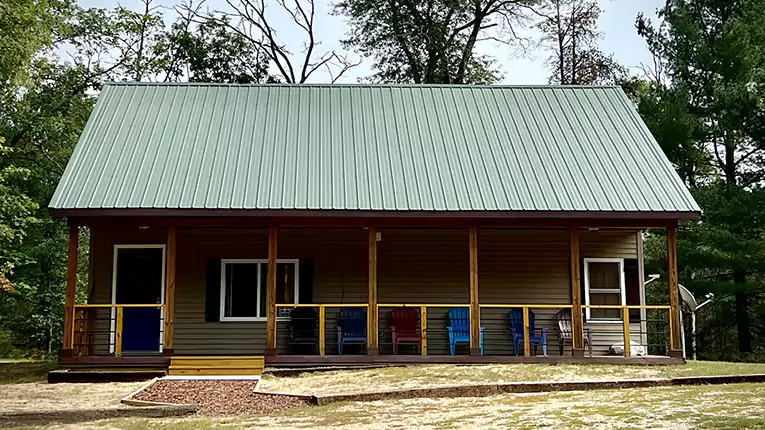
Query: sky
{"type": "Point", "coordinates": [616, 23]}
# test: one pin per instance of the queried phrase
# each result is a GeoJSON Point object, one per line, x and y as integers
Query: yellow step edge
{"type": "Point", "coordinates": [216, 357]}
{"type": "Point", "coordinates": [217, 362]}
{"type": "Point", "coordinates": [213, 372]}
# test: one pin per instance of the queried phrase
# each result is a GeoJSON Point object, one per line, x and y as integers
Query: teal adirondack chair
{"type": "Point", "coordinates": [459, 329]}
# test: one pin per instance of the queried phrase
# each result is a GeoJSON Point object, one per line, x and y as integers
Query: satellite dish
{"type": "Point", "coordinates": [688, 298]}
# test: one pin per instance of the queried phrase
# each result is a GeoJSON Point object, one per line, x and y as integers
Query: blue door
{"type": "Point", "coordinates": [139, 281]}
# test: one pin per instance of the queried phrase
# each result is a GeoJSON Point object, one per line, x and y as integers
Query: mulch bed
{"type": "Point", "coordinates": [219, 397]}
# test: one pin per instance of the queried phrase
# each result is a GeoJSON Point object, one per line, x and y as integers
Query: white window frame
{"type": "Point", "coordinates": [113, 320]}
{"type": "Point", "coordinates": [259, 262]}
{"type": "Point", "coordinates": [587, 290]}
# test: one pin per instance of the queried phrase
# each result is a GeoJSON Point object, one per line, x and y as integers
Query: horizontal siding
{"type": "Point", "coordinates": [414, 266]}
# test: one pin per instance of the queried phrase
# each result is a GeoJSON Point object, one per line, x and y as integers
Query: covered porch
{"type": "Point", "coordinates": [507, 292]}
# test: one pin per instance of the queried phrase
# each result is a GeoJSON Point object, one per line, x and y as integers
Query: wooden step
{"type": "Point", "coordinates": [216, 365]}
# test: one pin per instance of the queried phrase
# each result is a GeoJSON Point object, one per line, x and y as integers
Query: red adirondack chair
{"type": "Point", "coordinates": [403, 326]}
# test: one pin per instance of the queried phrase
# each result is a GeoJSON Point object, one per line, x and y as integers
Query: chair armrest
{"type": "Point", "coordinates": [393, 328]}
{"type": "Point", "coordinates": [483, 329]}
{"type": "Point", "coordinates": [450, 329]}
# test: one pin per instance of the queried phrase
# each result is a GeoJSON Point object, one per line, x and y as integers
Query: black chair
{"type": "Point", "coordinates": [305, 333]}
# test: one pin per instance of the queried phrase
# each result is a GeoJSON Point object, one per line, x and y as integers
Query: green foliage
{"type": "Point", "coordinates": [705, 106]}
{"type": "Point", "coordinates": [434, 42]}
{"type": "Point", "coordinates": [213, 53]}
{"type": "Point", "coordinates": [46, 103]}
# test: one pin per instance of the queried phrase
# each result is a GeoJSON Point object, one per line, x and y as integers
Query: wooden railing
{"type": "Point", "coordinates": [85, 319]}
{"type": "Point", "coordinates": [526, 319]}
{"type": "Point", "coordinates": [323, 317]}
{"type": "Point", "coordinates": [423, 317]}
{"type": "Point", "coordinates": [624, 321]}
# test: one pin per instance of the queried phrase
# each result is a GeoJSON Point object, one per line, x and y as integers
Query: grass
{"type": "Point", "coordinates": [24, 387]}
{"type": "Point", "coordinates": [713, 407]}
{"type": "Point", "coordinates": [337, 382]}
{"type": "Point", "coordinates": [16, 371]}
{"type": "Point", "coordinates": [740, 406]}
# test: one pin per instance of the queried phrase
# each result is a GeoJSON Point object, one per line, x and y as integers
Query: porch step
{"type": "Point", "coordinates": [216, 365]}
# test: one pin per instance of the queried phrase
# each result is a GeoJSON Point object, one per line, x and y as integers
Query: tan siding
{"type": "Point", "coordinates": [414, 266]}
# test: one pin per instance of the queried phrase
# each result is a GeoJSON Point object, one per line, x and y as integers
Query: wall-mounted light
{"type": "Point", "coordinates": [143, 227]}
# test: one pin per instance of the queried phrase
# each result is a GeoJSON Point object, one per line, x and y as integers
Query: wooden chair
{"type": "Point", "coordinates": [566, 331]}
{"type": "Point", "coordinates": [352, 327]}
{"type": "Point", "coordinates": [516, 330]}
{"type": "Point", "coordinates": [403, 326]}
{"type": "Point", "coordinates": [304, 331]}
{"type": "Point", "coordinates": [459, 329]}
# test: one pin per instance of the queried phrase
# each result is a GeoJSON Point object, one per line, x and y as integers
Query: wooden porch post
{"type": "Point", "coordinates": [674, 295]}
{"type": "Point", "coordinates": [271, 294]}
{"type": "Point", "coordinates": [475, 310]}
{"type": "Point", "coordinates": [577, 322]}
{"type": "Point", "coordinates": [167, 340]}
{"type": "Point", "coordinates": [71, 291]}
{"type": "Point", "coordinates": [372, 345]}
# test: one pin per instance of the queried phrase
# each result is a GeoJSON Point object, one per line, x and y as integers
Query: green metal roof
{"type": "Point", "coordinates": [368, 147]}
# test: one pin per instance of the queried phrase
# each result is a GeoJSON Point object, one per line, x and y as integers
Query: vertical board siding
{"type": "Point", "coordinates": [414, 266]}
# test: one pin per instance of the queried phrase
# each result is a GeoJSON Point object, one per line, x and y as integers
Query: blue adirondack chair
{"type": "Point", "coordinates": [516, 329]}
{"type": "Point", "coordinates": [352, 327]}
{"type": "Point", "coordinates": [459, 329]}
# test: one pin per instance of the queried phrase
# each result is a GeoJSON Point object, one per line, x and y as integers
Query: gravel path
{"type": "Point", "coordinates": [219, 397]}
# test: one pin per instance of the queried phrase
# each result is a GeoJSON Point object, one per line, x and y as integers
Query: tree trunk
{"type": "Point", "coordinates": [742, 313]}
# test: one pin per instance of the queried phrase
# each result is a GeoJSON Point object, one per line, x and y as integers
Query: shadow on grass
{"type": "Point", "coordinates": [17, 372]}
{"type": "Point", "coordinates": [42, 418]}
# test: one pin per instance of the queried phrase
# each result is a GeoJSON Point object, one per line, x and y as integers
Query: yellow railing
{"type": "Point", "coordinates": [526, 318]}
{"type": "Point", "coordinates": [322, 316]}
{"type": "Point", "coordinates": [423, 317]}
{"type": "Point", "coordinates": [81, 328]}
{"type": "Point", "coordinates": [625, 321]}
{"type": "Point", "coordinates": [423, 308]}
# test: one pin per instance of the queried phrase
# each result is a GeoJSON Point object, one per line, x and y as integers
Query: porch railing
{"type": "Point", "coordinates": [650, 324]}
{"type": "Point", "coordinates": [98, 328]}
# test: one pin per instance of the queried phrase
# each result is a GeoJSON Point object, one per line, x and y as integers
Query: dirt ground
{"type": "Point", "coordinates": [340, 382]}
{"type": "Point", "coordinates": [739, 406]}
{"type": "Point", "coordinates": [729, 406]}
{"type": "Point", "coordinates": [41, 396]}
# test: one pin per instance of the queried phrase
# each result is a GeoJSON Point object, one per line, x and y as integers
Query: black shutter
{"type": "Point", "coordinates": [212, 291]}
{"type": "Point", "coordinates": [305, 289]}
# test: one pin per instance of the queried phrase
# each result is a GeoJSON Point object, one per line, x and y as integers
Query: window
{"type": "Point", "coordinates": [604, 285]}
{"type": "Point", "coordinates": [244, 288]}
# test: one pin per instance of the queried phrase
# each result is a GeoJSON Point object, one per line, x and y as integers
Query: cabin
{"type": "Point", "coordinates": [321, 225]}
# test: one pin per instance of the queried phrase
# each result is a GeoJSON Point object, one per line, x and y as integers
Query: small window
{"type": "Point", "coordinates": [244, 288]}
{"type": "Point", "coordinates": [604, 285]}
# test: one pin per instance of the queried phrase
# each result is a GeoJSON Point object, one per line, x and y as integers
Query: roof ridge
{"type": "Point", "coordinates": [357, 85]}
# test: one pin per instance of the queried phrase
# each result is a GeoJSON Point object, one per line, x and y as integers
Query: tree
{"type": "Point", "coordinates": [254, 23]}
{"type": "Point", "coordinates": [569, 31]}
{"type": "Point", "coordinates": [213, 53]}
{"type": "Point", "coordinates": [26, 27]}
{"type": "Point", "coordinates": [431, 41]}
{"type": "Point", "coordinates": [708, 74]}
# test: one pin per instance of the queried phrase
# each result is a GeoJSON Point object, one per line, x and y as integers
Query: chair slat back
{"type": "Point", "coordinates": [303, 322]}
{"type": "Point", "coordinates": [353, 322]}
{"type": "Point", "coordinates": [516, 321]}
{"type": "Point", "coordinates": [459, 320]}
{"type": "Point", "coordinates": [563, 318]}
{"type": "Point", "coordinates": [404, 319]}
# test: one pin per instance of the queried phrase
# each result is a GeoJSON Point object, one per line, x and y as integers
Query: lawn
{"type": "Point", "coordinates": [23, 388]}
{"type": "Point", "coordinates": [740, 406]}
{"type": "Point", "coordinates": [338, 382]}
{"type": "Point", "coordinates": [732, 406]}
